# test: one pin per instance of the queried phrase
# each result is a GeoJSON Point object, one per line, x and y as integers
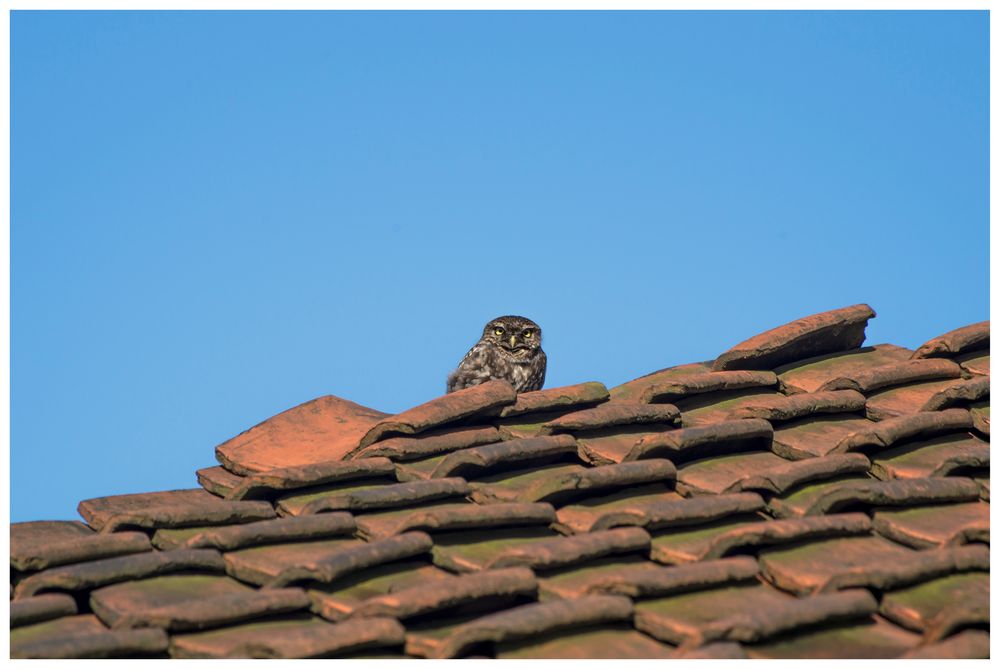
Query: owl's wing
{"type": "Point", "coordinates": [470, 370]}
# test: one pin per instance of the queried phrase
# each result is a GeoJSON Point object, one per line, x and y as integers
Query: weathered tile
{"type": "Point", "coordinates": [816, 436]}
{"type": "Point", "coordinates": [827, 332]}
{"type": "Point", "coordinates": [909, 399]}
{"type": "Point", "coordinates": [529, 425]}
{"type": "Point", "coordinates": [874, 638]}
{"type": "Point", "coordinates": [698, 382]}
{"type": "Point", "coordinates": [190, 602]}
{"type": "Point", "coordinates": [260, 565]}
{"type": "Point", "coordinates": [714, 540]}
{"type": "Point", "coordinates": [533, 620]}
{"type": "Point", "coordinates": [474, 462]}
{"type": "Point", "coordinates": [277, 530]}
{"type": "Point", "coordinates": [894, 374]}
{"type": "Point", "coordinates": [217, 480]}
{"type": "Point", "coordinates": [559, 484]}
{"type": "Point", "coordinates": [323, 429]}
{"type": "Point", "coordinates": [632, 390]}
{"type": "Point", "coordinates": [447, 516]}
{"type": "Point", "coordinates": [83, 637]}
{"type": "Point", "coordinates": [269, 484]}
{"type": "Point", "coordinates": [870, 561]}
{"type": "Point", "coordinates": [344, 597]}
{"type": "Point", "coordinates": [601, 642]}
{"type": "Point", "coordinates": [980, 412]}
{"type": "Point", "coordinates": [691, 443]}
{"type": "Point", "coordinates": [968, 644]}
{"type": "Point", "coordinates": [48, 543]}
{"type": "Point", "coordinates": [97, 573]}
{"type": "Point", "coordinates": [876, 436]}
{"type": "Point", "coordinates": [369, 496]}
{"type": "Point", "coordinates": [564, 551]}
{"type": "Point", "coordinates": [486, 399]}
{"type": "Point", "coordinates": [427, 598]}
{"type": "Point", "coordinates": [38, 609]}
{"type": "Point", "coordinates": [937, 525]}
{"type": "Point", "coordinates": [711, 408]}
{"type": "Point", "coordinates": [644, 579]}
{"type": "Point", "coordinates": [171, 508]}
{"type": "Point", "coordinates": [610, 445]}
{"type": "Point", "coordinates": [975, 362]}
{"type": "Point", "coordinates": [920, 607]}
{"type": "Point", "coordinates": [960, 393]}
{"type": "Point", "coordinates": [475, 550]}
{"type": "Point", "coordinates": [934, 457]}
{"type": "Point", "coordinates": [764, 472]}
{"type": "Point", "coordinates": [611, 415]}
{"type": "Point", "coordinates": [781, 408]}
{"type": "Point", "coordinates": [961, 340]}
{"type": "Point", "coordinates": [292, 637]}
{"type": "Point", "coordinates": [836, 494]}
{"type": "Point", "coordinates": [579, 395]}
{"type": "Point", "coordinates": [717, 650]}
{"type": "Point", "coordinates": [809, 375]}
{"type": "Point", "coordinates": [654, 511]}
{"type": "Point", "coordinates": [430, 443]}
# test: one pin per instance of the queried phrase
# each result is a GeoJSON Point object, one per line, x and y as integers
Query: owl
{"type": "Point", "coordinates": [510, 349]}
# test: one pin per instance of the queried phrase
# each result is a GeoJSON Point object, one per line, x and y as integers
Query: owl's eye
{"type": "Point", "coordinates": [498, 331]}
{"type": "Point", "coordinates": [527, 335]}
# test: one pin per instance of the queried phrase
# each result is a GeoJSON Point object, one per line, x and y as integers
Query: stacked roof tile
{"type": "Point", "coordinates": [801, 496]}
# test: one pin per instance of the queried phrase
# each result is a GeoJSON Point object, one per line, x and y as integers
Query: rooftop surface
{"type": "Point", "coordinates": [801, 496]}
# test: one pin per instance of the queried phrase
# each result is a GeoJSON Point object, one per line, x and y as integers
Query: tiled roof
{"type": "Point", "coordinates": [801, 496]}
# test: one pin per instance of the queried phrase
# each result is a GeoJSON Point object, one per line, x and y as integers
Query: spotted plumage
{"type": "Point", "coordinates": [510, 349]}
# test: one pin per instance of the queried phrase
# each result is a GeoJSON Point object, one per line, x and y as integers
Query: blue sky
{"type": "Point", "coordinates": [216, 216]}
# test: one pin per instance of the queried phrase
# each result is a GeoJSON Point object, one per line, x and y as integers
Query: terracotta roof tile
{"type": "Point", "coordinates": [835, 495]}
{"type": "Point", "coordinates": [433, 442]}
{"type": "Point", "coordinates": [97, 573]}
{"type": "Point", "coordinates": [923, 396]}
{"type": "Point", "coordinates": [274, 481]}
{"type": "Point", "coordinates": [291, 637]}
{"type": "Point", "coordinates": [564, 551]}
{"type": "Point", "coordinates": [83, 637]}
{"type": "Point", "coordinates": [473, 462]}
{"type": "Point", "coordinates": [370, 496]}
{"type": "Point", "coordinates": [610, 445]}
{"type": "Point", "coordinates": [260, 565]}
{"type": "Point", "coordinates": [871, 562]}
{"type": "Point", "coordinates": [696, 383]}
{"type": "Point", "coordinates": [632, 390]}
{"type": "Point", "coordinates": [564, 397]}
{"type": "Point", "coordinates": [483, 400]}
{"type": "Point", "coordinates": [935, 457]}
{"type": "Point", "coordinates": [172, 508]}
{"type": "Point", "coordinates": [323, 429]}
{"type": "Point", "coordinates": [656, 511]}
{"type": "Point", "coordinates": [764, 472]}
{"type": "Point", "coordinates": [690, 443]}
{"type": "Point", "coordinates": [717, 650]}
{"type": "Point", "coordinates": [894, 374]}
{"type": "Point", "coordinates": [611, 415]}
{"type": "Point", "coordinates": [872, 639]}
{"type": "Point", "coordinates": [38, 609]}
{"type": "Point", "coordinates": [981, 417]}
{"type": "Point", "coordinates": [447, 516]}
{"type": "Point", "coordinates": [960, 393]}
{"type": "Point", "coordinates": [710, 408]}
{"type": "Point", "coordinates": [780, 408]}
{"type": "Point", "coordinates": [342, 598]}
{"type": "Point", "coordinates": [975, 362]}
{"type": "Point", "coordinates": [604, 641]}
{"type": "Point", "coordinates": [231, 537]}
{"type": "Point", "coordinates": [920, 607]}
{"type": "Point", "coordinates": [190, 602]}
{"type": "Point", "coordinates": [474, 550]}
{"type": "Point", "coordinates": [461, 590]}
{"type": "Point", "coordinates": [809, 375]}
{"type": "Point", "coordinates": [873, 436]}
{"type": "Point", "coordinates": [967, 644]}
{"type": "Point", "coordinates": [816, 436]}
{"type": "Point", "coordinates": [49, 543]}
{"type": "Point", "coordinates": [827, 332]}
{"type": "Point", "coordinates": [217, 480]}
{"type": "Point", "coordinates": [969, 338]}
{"type": "Point", "coordinates": [935, 526]}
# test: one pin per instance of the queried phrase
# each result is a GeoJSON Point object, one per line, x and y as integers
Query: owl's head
{"type": "Point", "coordinates": [516, 336]}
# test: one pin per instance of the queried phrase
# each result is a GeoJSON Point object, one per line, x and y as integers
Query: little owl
{"type": "Point", "coordinates": [510, 349]}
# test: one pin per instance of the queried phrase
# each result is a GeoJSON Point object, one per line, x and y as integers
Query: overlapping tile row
{"type": "Point", "coordinates": [801, 496]}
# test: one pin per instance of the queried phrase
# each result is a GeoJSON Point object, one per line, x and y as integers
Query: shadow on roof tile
{"type": "Point", "coordinates": [968, 338]}
{"type": "Point", "coordinates": [691, 443]}
{"type": "Point", "coordinates": [430, 443]}
{"type": "Point", "coordinates": [871, 639]}
{"type": "Point", "coordinates": [84, 637]}
{"type": "Point", "coordinates": [935, 457]}
{"type": "Point", "coordinates": [449, 516]}
{"type": "Point", "coordinates": [172, 508]}
{"type": "Point", "coordinates": [893, 374]}
{"type": "Point", "coordinates": [920, 607]}
{"type": "Point", "coordinates": [835, 495]}
{"type": "Point", "coordinates": [48, 543]}
{"type": "Point", "coordinates": [969, 644]}
{"type": "Point", "coordinates": [935, 526]}
{"type": "Point", "coordinates": [232, 537]}
{"type": "Point", "coordinates": [342, 598]}
{"type": "Point", "coordinates": [268, 484]}
{"type": "Point", "coordinates": [808, 375]}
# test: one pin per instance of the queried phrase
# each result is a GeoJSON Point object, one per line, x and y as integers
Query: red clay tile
{"type": "Point", "coordinates": [657, 511]}
{"type": "Point", "coordinates": [550, 399]}
{"type": "Point", "coordinates": [190, 602]}
{"type": "Point", "coordinates": [876, 436]}
{"type": "Point", "coordinates": [691, 443]}
{"type": "Point", "coordinates": [697, 383]}
{"type": "Point", "coordinates": [834, 495]}
{"type": "Point", "coordinates": [632, 390]}
{"type": "Point", "coordinates": [874, 639]}
{"type": "Point", "coordinates": [485, 399]}
{"type": "Point", "coordinates": [764, 472]}
{"type": "Point", "coordinates": [935, 457]}
{"type": "Point", "coordinates": [969, 338]}
{"type": "Point", "coordinates": [923, 606]}
{"type": "Point", "coordinates": [816, 436]}
{"type": "Point", "coordinates": [231, 537]}
{"type": "Point", "coordinates": [609, 446]}
{"type": "Point", "coordinates": [611, 415]}
{"type": "Point", "coordinates": [472, 462]}
{"type": "Point", "coordinates": [974, 613]}
{"type": "Point", "coordinates": [532, 620]}
{"type": "Point", "coordinates": [709, 408]}
{"type": "Point", "coordinates": [807, 376]}
{"type": "Point", "coordinates": [452, 516]}
{"type": "Point", "coordinates": [968, 644]}
{"type": "Point", "coordinates": [909, 399]}
{"type": "Point", "coordinates": [597, 642]}
{"type": "Point", "coordinates": [339, 563]}
{"type": "Point", "coordinates": [461, 590]}
{"type": "Point", "coordinates": [475, 549]}
{"type": "Point", "coordinates": [171, 508]}
{"type": "Point", "coordinates": [369, 497]}
{"type": "Point", "coordinates": [936, 526]}
{"type": "Point", "coordinates": [718, 650]}
{"type": "Point", "coordinates": [270, 483]}
{"type": "Point", "coordinates": [780, 408]}
{"type": "Point", "coordinates": [980, 412]}
{"type": "Point", "coordinates": [870, 562]}
{"type": "Point", "coordinates": [262, 564]}
{"type": "Point", "coordinates": [341, 599]}
{"type": "Point", "coordinates": [430, 443]}
{"type": "Point", "coordinates": [97, 644]}
{"type": "Point", "coordinates": [291, 637]}
{"type": "Point", "coordinates": [962, 392]}
{"type": "Point", "coordinates": [976, 363]}
{"type": "Point", "coordinates": [217, 480]}
{"type": "Point", "coordinates": [323, 429]}
{"type": "Point", "coordinates": [894, 374]}
{"type": "Point", "coordinates": [827, 332]}
{"type": "Point", "coordinates": [49, 543]}
{"type": "Point", "coordinates": [38, 609]}
{"type": "Point", "coordinates": [97, 573]}
{"type": "Point", "coordinates": [564, 551]}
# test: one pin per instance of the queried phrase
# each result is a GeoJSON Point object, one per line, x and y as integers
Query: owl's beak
{"type": "Point", "coordinates": [513, 341]}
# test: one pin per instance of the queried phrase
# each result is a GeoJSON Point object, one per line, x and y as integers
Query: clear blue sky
{"type": "Point", "coordinates": [218, 216]}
